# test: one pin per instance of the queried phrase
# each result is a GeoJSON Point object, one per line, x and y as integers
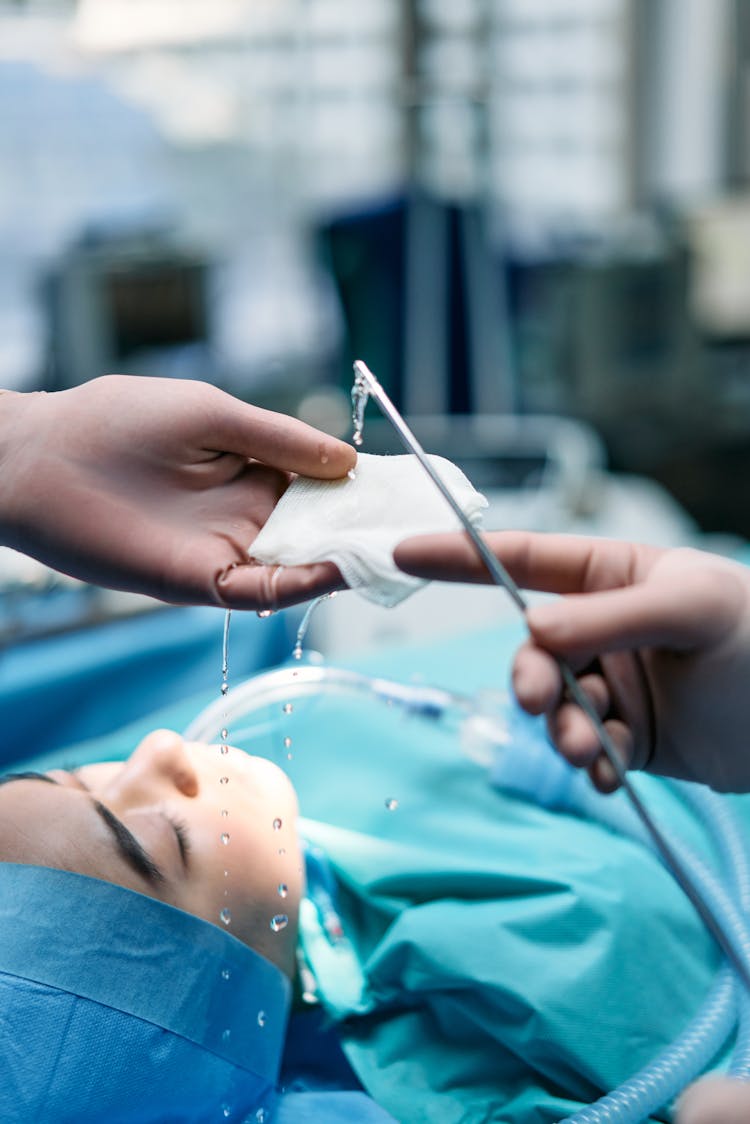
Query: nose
{"type": "Point", "coordinates": [158, 767]}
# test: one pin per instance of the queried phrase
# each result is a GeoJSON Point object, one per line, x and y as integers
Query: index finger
{"type": "Point", "coordinates": [277, 440]}
{"type": "Point", "coordinates": [549, 563]}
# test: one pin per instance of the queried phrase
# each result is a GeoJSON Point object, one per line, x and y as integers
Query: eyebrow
{"type": "Point", "coordinates": [134, 854]}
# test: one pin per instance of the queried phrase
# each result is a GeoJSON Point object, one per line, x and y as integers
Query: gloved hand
{"type": "Point", "coordinates": [660, 640]}
{"type": "Point", "coordinates": [715, 1100]}
{"type": "Point", "coordinates": [158, 486]}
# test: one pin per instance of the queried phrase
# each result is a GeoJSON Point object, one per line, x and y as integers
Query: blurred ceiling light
{"type": "Point", "coordinates": [128, 25]}
{"type": "Point", "coordinates": [190, 107]}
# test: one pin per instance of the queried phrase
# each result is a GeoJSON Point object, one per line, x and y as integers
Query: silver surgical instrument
{"type": "Point", "coordinates": [367, 386]}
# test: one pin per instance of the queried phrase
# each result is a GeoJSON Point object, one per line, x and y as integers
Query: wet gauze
{"type": "Point", "coordinates": [357, 522]}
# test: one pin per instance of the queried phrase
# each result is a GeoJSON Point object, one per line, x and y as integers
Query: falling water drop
{"type": "Point", "coordinates": [226, 1110]}
{"type": "Point", "coordinates": [225, 973]}
{"type": "Point", "coordinates": [287, 708]}
{"type": "Point", "coordinates": [226, 915]}
{"type": "Point", "coordinates": [226, 1035]}
{"type": "Point", "coordinates": [225, 646]}
{"type": "Point", "coordinates": [261, 1018]}
{"type": "Point", "coordinates": [260, 1116]}
{"type": "Point", "coordinates": [264, 614]}
{"type": "Point", "coordinates": [279, 922]}
{"type": "Point", "coordinates": [287, 743]}
{"type": "Point", "coordinates": [391, 803]}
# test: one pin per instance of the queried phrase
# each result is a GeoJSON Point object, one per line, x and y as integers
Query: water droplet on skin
{"type": "Point", "coordinates": [279, 922]}
{"type": "Point", "coordinates": [226, 1035]}
{"type": "Point", "coordinates": [287, 743]}
{"type": "Point", "coordinates": [261, 1018]}
{"type": "Point", "coordinates": [288, 708]}
{"type": "Point", "coordinates": [224, 780]}
{"type": "Point", "coordinates": [224, 837]}
{"type": "Point", "coordinates": [282, 851]}
{"type": "Point", "coordinates": [324, 458]}
{"type": "Point", "coordinates": [226, 915]}
{"type": "Point", "coordinates": [225, 973]}
{"type": "Point", "coordinates": [283, 889]}
{"type": "Point", "coordinates": [277, 824]}
{"type": "Point", "coordinates": [391, 804]}
{"type": "Point", "coordinates": [224, 750]}
{"type": "Point", "coordinates": [225, 812]}
{"type": "Point", "coordinates": [226, 873]}
{"type": "Point", "coordinates": [351, 473]}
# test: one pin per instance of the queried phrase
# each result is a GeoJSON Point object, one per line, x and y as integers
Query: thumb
{"type": "Point", "coordinates": [277, 440]}
{"type": "Point", "coordinates": [679, 616]}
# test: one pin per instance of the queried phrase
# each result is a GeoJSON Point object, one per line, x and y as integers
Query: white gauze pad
{"type": "Point", "coordinates": [357, 523]}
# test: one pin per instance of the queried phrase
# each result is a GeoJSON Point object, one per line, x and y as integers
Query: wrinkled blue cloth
{"type": "Point", "coordinates": [115, 1007]}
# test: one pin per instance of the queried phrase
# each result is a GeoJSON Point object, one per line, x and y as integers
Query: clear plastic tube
{"type": "Point", "coordinates": [479, 728]}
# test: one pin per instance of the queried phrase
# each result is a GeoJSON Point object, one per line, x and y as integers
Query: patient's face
{"type": "Point", "coordinates": [201, 830]}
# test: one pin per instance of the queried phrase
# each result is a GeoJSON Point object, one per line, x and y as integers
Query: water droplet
{"type": "Point", "coordinates": [225, 973]}
{"type": "Point", "coordinates": [224, 837]}
{"type": "Point", "coordinates": [261, 1018]}
{"type": "Point", "coordinates": [287, 743]}
{"type": "Point", "coordinates": [224, 687]}
{"type": "Point", "coordinates": [224, 734]}
{"type": "Point", "coordinates": [282, 851]}
{"type": "Point", "coordinates": [226, 1035]}
{"type": "Point", "coordinates": [264, 614]}
{"type": "Point", "coordinates": [289, 756]}
{"type": "Point", "coordinates": [260, 1116]}
{"type": "Point", "coordinates": [225, 812]}
{"type": "Point", "coordinates": [224, 749]}
{"type": "Point", "coordinates": [277, 824]}
{"type": "Point", "coordinates": [226, 1110]}
{"type": "Point", "coordinates": [226, 915]}
{"type": "Point", "coordinates": [351, 473]}
{"type": "Point", "coordinates": [224, 780]}
{"type": "Point", "coordinates": [283, 889]}
{"type": "Point", "coordinates": [288, 708]}
{"type": "Point", "coordinates": [391, 804]}
{"type": "Point", "coordinates": [324, 458]}
{"type": "Point", "coordinates": [226, 873]}
{"type": "Point", "coordinates": [279, 922]}
{"type": "Point", "coordinates": [297, 653]}
{"type": "Point", "coordinates": [357, 439]}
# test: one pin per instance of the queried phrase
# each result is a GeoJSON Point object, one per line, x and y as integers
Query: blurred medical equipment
{"type": "Point", "coordinates": [367, 386]}
{"type": "Point", "coordinates": [485, 727]}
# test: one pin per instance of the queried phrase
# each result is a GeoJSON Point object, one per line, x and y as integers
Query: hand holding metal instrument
{"type": "Point", "coordinates": [367, 386]}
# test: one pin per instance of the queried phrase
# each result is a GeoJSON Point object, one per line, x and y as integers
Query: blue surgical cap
{"type": "Point", "coordinates": [117, 1007]}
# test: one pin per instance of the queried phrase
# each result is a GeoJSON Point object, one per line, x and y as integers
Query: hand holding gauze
{"type": "Point", "coordinates": [356, 522]}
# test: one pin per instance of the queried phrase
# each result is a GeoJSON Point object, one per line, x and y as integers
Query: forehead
{"type": "Point", "coordinates": [47, 824]}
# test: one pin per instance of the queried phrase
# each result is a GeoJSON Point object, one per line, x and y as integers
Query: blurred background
{"type": "Point", "coordinates": [531, 218]}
